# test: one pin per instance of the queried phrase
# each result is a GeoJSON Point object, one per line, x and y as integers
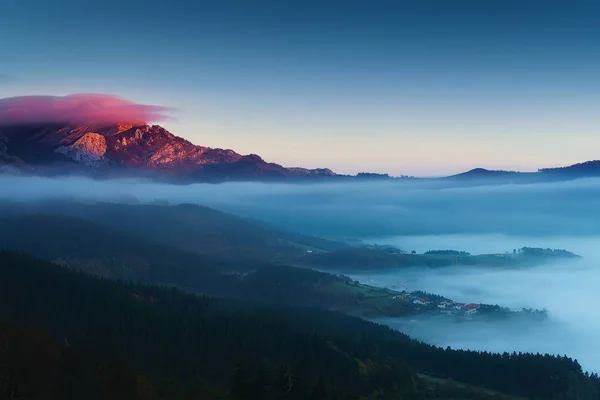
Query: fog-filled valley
{"type": "Point", "coordinates": [568, 291]}
{"type": "Point", "coordinates": [491, 268]}
{"type": "Point", "coordinates": [363, 209]}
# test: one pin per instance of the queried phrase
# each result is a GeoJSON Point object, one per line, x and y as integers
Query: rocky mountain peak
{"type": "Point", "coordinates": [137, 148]}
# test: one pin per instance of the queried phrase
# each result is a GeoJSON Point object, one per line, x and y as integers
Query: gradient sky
{"type": "Point", "coordinates": [420, 87]}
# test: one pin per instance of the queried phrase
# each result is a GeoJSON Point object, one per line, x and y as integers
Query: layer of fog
{"type": "Point", "coordinates": [362, 209]}
{"type": "Point", "coordinates": [568, 290]}
{"type": "Point", "coordinates": [495, 243]}
{"type": "Point", "coordinates": [558, 215]}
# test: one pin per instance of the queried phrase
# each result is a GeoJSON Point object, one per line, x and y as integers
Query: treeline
{"type": "Point", "coordinates": [427, 295]}
{"type": "Point", "coordinates": [540, 252]}
{"type": "Point", "coordinates": [172, 345]}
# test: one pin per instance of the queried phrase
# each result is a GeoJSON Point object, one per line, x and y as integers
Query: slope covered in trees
{"type": "Point", "coordinates": [115, 254]}
{"type": "Point", "coordinates": [35, 365]}
{"type": "Point", "coordinates": [186, 346]}
{"type": "Point", "coordinates": [187, 227]}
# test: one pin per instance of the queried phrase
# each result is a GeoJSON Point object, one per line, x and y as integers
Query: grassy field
{"type": "Point", "coordinates": [369, 301]}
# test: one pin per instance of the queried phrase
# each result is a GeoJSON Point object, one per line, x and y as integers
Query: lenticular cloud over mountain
{"type": "Point", "coordinates": [77, 109]}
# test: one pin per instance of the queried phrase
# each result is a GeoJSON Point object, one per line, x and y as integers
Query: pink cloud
{"type": "Point", "coordinates": [77, 109]}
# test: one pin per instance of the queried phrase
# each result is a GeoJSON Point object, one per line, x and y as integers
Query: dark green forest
{"type": "Point", "coordinates": [187, 227]}
{"type": "Point", "coordinates": [71, 335]}
{"type": "Point", "coordinates": [116, 254]}
{"type": "Point", "coordinates": [119, 254]}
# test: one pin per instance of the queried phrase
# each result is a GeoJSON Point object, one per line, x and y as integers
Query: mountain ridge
{"type": "Point", "coordinates": [151, 151]}
{"type": "Point", "coordinates": [100, 149]}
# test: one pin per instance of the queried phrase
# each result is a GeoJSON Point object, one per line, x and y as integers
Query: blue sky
{"type": "Point", "coordinates": [421, 87]}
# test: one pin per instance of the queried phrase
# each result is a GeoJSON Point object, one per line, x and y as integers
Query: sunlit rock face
{"type": "Point", "coordinates": [137, 148]}
{"type": "Point", "coordinates": [88, 150]}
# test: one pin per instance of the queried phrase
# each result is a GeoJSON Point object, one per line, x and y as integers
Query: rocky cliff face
{"type": "Point", "coordinates": [89, 150]}
{"type": "Point", "coordinates": [131, 148]}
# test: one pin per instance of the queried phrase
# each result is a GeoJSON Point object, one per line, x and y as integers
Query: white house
{"type": "Point", "coordinates": [445, 303]}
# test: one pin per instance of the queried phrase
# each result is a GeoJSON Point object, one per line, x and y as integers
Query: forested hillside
{"type": "Point", "coordinates": [186, 227]}
{"type": "Point", "coordinates": [35, 365]}
{"type": "Point", "coordinates": [120, 254]}
{"type": "Point", "coordinates": [116, 254]}
{"type": "Point", "coordinates": [172, 345]}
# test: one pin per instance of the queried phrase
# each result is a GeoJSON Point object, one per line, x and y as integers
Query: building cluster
{"type": "Point", "coordinates": [444, 306]}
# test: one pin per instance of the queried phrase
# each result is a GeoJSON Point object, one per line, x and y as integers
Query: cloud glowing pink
{"type": "Point", "coordinates": [77, 109]}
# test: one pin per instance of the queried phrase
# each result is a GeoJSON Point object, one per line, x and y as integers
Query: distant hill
{"type": "Point", "coordinates": [485, 176]}
{"type": "Point", "coordinates": [484, 173]}
{"type": "Point", "coordinates": [584, 169]}
{"type": "Point", "coordinates": [575, 171]}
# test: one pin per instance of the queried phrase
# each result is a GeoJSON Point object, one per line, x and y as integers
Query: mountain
{"type": "Point", "coordinates": [150, 151]}
{"type": "Point", "coordinates": [133, 150]}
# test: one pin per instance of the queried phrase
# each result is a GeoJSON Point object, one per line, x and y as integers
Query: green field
{"type": "Point", "coordinates": [369, 301]}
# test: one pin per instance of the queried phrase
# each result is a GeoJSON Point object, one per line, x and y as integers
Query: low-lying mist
{"type": "Point", "coordinates": [422, 215]}
{"type": "Point", "coordinates": [567, 290]}
{"type": "Point", "coordinates": [361, 209]}
{"type": "Point", "coordinates": [492, 243]}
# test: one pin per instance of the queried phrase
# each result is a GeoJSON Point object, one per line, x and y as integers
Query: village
{"type": "Point", "coordinates": [441, 305]}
